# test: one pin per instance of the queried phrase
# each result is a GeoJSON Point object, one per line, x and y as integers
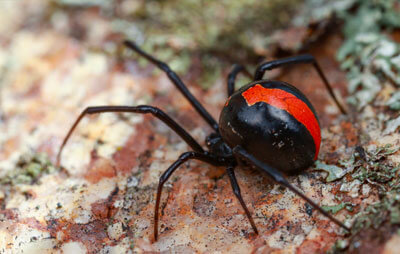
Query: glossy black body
{"type": "Point", "coordinates": [270, 134]}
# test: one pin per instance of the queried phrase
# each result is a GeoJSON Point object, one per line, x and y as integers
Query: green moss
{"type": "Point", "coordinates": [368, 54]}
{"type": "Point", "coordinates": [334, 172]}
{"type": "Point", "coordinates": [317, 10]}
{"type": "Point", "coordinates": [387, 209]}
{"type": "Point", "coordinates": [339, 246]}
{"type": "Point", "coordinates": [336, 208]}
{"type": "Point", "coordinates": [29, 170]}
{"type": "Point", "coordinates": [372, 167]}
{"type": "Point", "coordinates": [392, 125]}
{"type": "Point", "coordinates": [394, 101]}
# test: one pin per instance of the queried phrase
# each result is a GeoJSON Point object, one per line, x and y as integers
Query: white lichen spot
{"type": "Point", "coordinates": [280, 239]}
{"type": "Point", "coordinates": [331, 109]}
{"type": "Point", "coordinates": [298, 239]}
{"type": "Point", "coordinates": [155, 170]}
{"type": "Point", "coordinates": [82, 216]}
{"type": "Point", "coordinates": [74, 247]}
{"type": "Point", "coordinates": [172, 155]}
{"type": "Point", "coordinates": [306, 227]}
{"type": "Point", "coordinates": [352, 188]}
{"type": "Point", "coordinates": [106, 151]}
{"type": "Point", "coordinates": [25, 239]}
{"type": "Point", "coordinates": [158, 154]}
{"type": "Point", "coordinates": [115, 231]}
{"type": "Point", "coordinates": [329, 197]}
{"type": "Point", "coordinates": [76, 155]}
{"type": "Point", "coordinates": [366, 189]}
{"type": "Point", "coordinates": [198, 133]}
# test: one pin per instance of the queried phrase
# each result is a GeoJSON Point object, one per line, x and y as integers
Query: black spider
{"type": "Point", "coordinates": [269, 125]}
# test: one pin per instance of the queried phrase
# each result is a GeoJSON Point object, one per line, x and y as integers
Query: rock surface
{"type": "Point", "coordinates": [102, 197]}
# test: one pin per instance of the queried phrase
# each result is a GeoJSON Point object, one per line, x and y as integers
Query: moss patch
{"type": "Point", "coordinates": [29, 169]}
{"type": "Point", "coordinates": [369, 54]}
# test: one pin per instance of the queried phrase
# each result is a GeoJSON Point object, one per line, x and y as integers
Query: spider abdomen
{"type": "Point", "coordinates": [273, 121]}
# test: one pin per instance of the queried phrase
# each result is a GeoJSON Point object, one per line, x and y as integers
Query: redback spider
{"type": "Point", "coordinates": [268, 125]}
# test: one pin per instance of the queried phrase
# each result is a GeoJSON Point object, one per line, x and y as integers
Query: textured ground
{"type": "Point", "coordinates": [102, 198]}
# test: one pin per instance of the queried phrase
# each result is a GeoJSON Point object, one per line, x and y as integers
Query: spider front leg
{"type": "Point", "coordinates": [177, 82]}
{"type": "Point", "coordinates": [280, 179]}
{"type": "Point", "coordinates": [142, 109]}
{"type": "Point", "coordinates": [236, 191]}
{"type": "Point", "coordinates": [165, 176]}
{"type": "Point", "coordinates": [236, 69]}
{"type": "Point", "coordinates": [262, 68]}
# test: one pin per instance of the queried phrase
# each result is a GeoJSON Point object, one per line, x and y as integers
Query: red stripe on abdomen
{"type": "Point", "coordinates": [284, 100]}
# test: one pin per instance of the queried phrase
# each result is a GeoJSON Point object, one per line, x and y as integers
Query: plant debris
{"type": "Point", "coordinates": [376, 170]}
{"type": "Point", "coordinates": [336, 208]}
{"type": "Point", "coordinates": [334, 172]}
{"type": "Point", "coordinates": [391, 126]}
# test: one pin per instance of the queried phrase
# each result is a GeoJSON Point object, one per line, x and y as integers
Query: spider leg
{"type": "Point", "coordinates": [280, 179]}
{"type": "Point", "coordinates": [142, 109]}
{"type": "Point", "coordinates": [165, 176]}
{"type": "Point", "coordinates": [236, 69]}
{"type": "Point", "coordinates": [236, 191]}
{"type": "Point", "coordinates": [177, 82]}
{"type": "Point", "coordinates": [262, 68]}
